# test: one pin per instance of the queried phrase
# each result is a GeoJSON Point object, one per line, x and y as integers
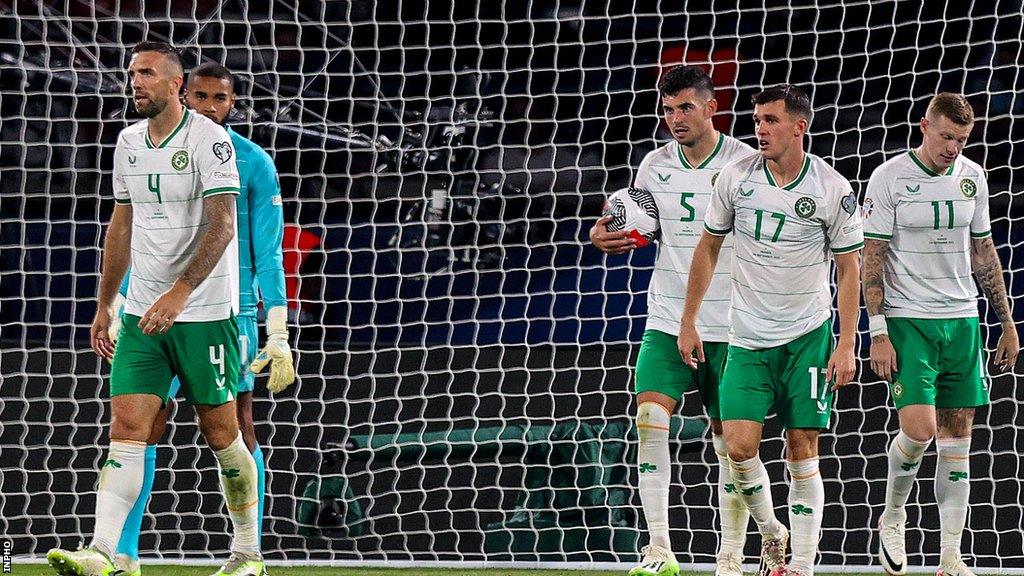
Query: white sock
{"type": "Point", "coordinates": [905, 456]}
{"type": "Point", "coordinates": [806, 509]}
{"type": "Point", "coordinates": [952, 490]}
{"type": "Point", "coordinates": [732, 510]}
{"type": "Point", "coordinates": [655, 469]}
{"type": "Point", "coordinates": [119, 487]}
{"type": "Point", "coordinates": [755, 491]}
{"type": "Point", "coordinates": [238, 483]}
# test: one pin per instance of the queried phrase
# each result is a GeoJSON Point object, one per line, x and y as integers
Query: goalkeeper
{"type": "Point", "coordinates": [210, 92]}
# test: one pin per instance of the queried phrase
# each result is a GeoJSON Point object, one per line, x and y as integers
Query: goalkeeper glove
{"type": "Point", "coordinates": [276, 352]}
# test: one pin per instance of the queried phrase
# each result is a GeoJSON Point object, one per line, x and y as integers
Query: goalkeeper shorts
{"type": "Point", "coordinates": [660, 368]}
{"type": "Point", "coordinates": [203, 355]}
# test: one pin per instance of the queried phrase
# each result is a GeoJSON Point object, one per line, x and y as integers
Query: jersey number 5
{"type": "Point", "coordinates": [691, 214]}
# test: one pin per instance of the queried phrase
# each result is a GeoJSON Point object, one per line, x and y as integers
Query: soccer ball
{"type": "Point", "coordinates": [633, 210]}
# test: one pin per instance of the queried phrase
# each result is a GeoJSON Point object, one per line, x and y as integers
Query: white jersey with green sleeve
{"type": "Point", "coordinates": [928, 219]}
{"type": "Point", "coordinates": [682, 192]}
{"type": "Point", "coordinates": [165, 185]}
{"type": "Point", "coordinates": [782, 247]}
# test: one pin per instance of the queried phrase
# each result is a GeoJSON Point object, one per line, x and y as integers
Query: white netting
{"type": "Point", "coordinates": [440, 168]}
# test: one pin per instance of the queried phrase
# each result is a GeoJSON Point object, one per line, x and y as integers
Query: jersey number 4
{"type": "Point", "coordinates": [154, 186]}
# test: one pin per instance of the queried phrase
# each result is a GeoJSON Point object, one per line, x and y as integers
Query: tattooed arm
{"type": "Point", "coordinates": [871, 275]}
{"type": "Point", "coordinates": [883, 356]}
{"type": "Point", "coordinates": [989, 272]}
{"type": "Point", "coordinates": [219, 213]}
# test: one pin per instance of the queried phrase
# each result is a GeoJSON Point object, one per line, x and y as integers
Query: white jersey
{"type": "Point", "coordinates": [928, 220]}
{"type": "Point", "coordinates": [166, 185]}
{"type": "Point", "coordinates": [682, 193]}
{"type": "Point", "coordinates": [784, 238]}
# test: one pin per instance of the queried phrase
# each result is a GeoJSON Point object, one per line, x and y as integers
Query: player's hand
{"type": "Point", "coordinates": [1008, 348]}
{"type": "Point", "coordinates": [688, 341]}
{"type": "Point", "coordinates": [610, 242]}
{"type": "Point", "coordinates": [279, 356]}
{"type": "Point", "coordinates": [162, 314]}
{"type": "Point", "coordinates": [99, 334]}
{"type": "Point", "coordinates": [842, 366]}
{"type": "Point", "coordinates": [883, 357]}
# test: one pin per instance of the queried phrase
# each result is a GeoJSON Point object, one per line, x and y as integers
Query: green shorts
{"type": "Point", "coordinates": [789, 379]}
{"type": "Point", "coordinates": [660, 368]}
{"type": "Point", "coordinates": [940, 362]}
{"type": "Point", "coordinates": [203, 355]}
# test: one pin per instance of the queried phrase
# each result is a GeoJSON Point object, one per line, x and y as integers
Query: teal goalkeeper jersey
{"type": "Point", "coordinates": [260, 218]}
{"type": "Point", "coordinates": [260, 228]}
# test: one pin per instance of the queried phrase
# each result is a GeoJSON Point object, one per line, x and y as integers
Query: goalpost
{"type": "Point", "coordinates": [464, 355]}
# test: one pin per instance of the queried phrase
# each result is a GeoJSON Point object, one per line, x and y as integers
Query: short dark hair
{"type": "Point", "coordinates": [798, 103]}
{"type": "Point", "coordinates": [162, 47]}
{"type": "Point", "coordinates": [682, 77]}
{"type": "Point", "coordinates": [952, 106]}
{"type": "Point", "coordinates": [212, 70]}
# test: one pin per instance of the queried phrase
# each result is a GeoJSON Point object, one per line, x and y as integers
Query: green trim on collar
{"type": "Point", "coordinates": [927, 170]}
{"type": "Point", "coordinates": [149, 143]}
{"type": "Point", "coordinates": [686, 163]}
{"type": "Point", "coordinates": [803, 172]}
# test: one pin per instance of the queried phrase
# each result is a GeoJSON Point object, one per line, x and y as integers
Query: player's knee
{"type": "Point", "coordinates": [652, 421]}
{"type": "Point", "coordinates": [742, 453]}
{"type": "Point", "coordinates": [919, 431]}
{"type": "Point", "coordinates": [130, 426]}
{"type": "Point", "coordinates": [801, 444]}
{"type": "Point", "coordinates": [219, 433]}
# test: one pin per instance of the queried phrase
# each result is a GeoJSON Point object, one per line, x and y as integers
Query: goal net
{"type": "Point", "coordinates": [464, 355]}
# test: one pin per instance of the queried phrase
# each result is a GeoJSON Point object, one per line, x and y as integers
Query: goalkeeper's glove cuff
{"type": "Point", "coordinates": [277, 322]}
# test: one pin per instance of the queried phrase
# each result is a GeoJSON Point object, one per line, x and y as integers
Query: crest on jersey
{"type": "Point", "coordinates": [849, 203]}
{"type": "Point", "coordinates": [865, 210]}
{"type": "Point", "coordinates": [179, 161]}
{"type": "Point", "coordinates": [968, 187]}
{"type": "Point", "coordinates": [805, 207]}
{"type": "Point", "coordinates": [222, 150]}
{"type": "Point", "coordinates": [714, 178]}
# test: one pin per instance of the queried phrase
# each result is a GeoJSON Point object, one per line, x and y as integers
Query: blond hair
{"type": "Point", "coordinates": [952, 106]}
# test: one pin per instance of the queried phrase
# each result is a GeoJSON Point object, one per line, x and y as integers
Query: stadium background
{"type": "Point", "coordinates": [494, 315]}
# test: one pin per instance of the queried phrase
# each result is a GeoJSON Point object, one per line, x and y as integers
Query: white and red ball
{"type": "Point", "coordinates": [635, 211]}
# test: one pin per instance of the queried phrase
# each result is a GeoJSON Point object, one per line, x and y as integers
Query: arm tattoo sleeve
{"type": "Point", "coordinates": [871, 275]}
{"type": "Point", "coordinates": [989, 272]}
{"type": "Point", "coordinates": [219, 212]}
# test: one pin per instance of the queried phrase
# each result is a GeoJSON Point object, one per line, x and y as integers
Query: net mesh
{"type": "Point", "coordinates": [463, 353]}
